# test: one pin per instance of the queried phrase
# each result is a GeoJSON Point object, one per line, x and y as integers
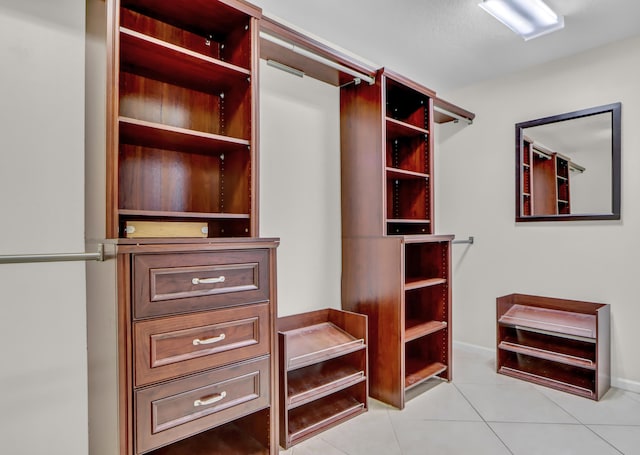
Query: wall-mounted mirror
{"type": "Point", "coordinates": [568, 166]}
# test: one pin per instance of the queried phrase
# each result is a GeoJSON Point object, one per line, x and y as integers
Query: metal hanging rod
{"type": "Point", "coordinates": [318, 58]}
{"type": "Point", "coordinates": [444, 111]}
{"type": "Point", "coordinates": [61, 257]}
{"type": "Point", "coordinates": [469, 241]}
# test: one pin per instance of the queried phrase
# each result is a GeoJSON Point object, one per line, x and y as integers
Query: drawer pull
{"type": "Point", "coordinates": [211, 340]}
{"type": "Point", "coordinates": [210, 400]}
{"type": "Point", "coordinates": [219, 279]}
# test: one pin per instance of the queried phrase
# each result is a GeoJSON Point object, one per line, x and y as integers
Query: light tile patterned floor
{"type": "Point", "coordinates": [482, 412]}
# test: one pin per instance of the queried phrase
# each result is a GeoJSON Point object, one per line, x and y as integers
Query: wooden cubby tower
{"type": "Point", "coordinates": [395, 270]}
{"type": "Point", "coordinates": [182, 323]}
{"type": "Point", "coordinates": [182, 116]}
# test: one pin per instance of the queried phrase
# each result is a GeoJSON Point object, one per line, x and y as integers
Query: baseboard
{"type": "Point", "coordinates": [619, 383]}
{"type": "Point", "coordinates": [626, 384]}
{"type": "Point", "coordinates": [473, 347]}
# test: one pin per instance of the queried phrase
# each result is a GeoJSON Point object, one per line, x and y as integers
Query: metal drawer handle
{"type": "Point", "coordinates": [211, 340]}
{"type": "Point", "coordinates": [219, 279]}
{"type": "Point", "coordinates": [212, 399]}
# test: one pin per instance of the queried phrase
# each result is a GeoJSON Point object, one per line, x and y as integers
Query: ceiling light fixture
{"type": "Point", "coordinates": [528, 18]}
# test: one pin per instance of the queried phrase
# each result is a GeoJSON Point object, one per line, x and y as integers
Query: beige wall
{"type": "Point", "coordinates": [300, 187]}
{"type": "Point", "coordinates": [593, 261]}
{"type": "Point", "coordinates": [43, 377]}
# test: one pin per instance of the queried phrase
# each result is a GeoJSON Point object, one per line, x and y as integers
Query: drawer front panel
{"type": "Point", "coordinates": [186, 282]}
{"type": "Point", "coordinates": [169, 347]}
{"type": "Point", "coordinates": [168, 412]}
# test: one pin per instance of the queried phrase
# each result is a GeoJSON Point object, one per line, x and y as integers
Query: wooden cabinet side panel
{"type": "Point", "coordinates": [372, 280]}
{"type": "Point", "coordinates": [362, 160]}
{"type": "Point", "coordinates": [125, 354]}
{"type": "Point", "coordinates": [603, 353]}
{"type": "Point", "coordinates": [544, 187]}
{"type": "Point", "coordinates": [272, 420]}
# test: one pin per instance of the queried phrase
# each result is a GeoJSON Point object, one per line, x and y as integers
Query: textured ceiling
{"type": "Point", "coordinates": [447, 44]}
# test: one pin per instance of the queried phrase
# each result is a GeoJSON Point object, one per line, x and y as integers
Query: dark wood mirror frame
{"type": "Point", "coordinates": [615, 111]}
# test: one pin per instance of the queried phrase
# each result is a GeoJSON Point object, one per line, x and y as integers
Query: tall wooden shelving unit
{"type": "Point", "coordinates": [395, 270]}
{"type": "Point", "coordinates": [545, 180]}
{"type": "Point", "coordinates": [188, 316]}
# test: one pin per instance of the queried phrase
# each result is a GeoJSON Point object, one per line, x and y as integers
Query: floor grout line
{"type": "Point", "coordinates": [483, 419]}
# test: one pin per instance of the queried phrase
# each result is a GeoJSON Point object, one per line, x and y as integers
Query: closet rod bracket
{"type": "Point", "coordinates": [470, 241]}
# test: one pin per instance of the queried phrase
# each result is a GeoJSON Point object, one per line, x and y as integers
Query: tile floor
{"type": "Point", "coordinates": [482, 412]}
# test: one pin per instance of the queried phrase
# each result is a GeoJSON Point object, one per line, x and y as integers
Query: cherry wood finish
{"type": "Point", "coordinates": [440, 117]}
{"type": "Point", "coordinates": [169, 347]}
{"type": "Point", "coordinates": [164, 283]}
{"type": "Point", "coordinates": [394, 269]}
{"type": "Point", "coordinates": [558, 343]}
{"type": "Point", "coordinates": [402, 283]}
{"type": "Point", "coordinates": [182, 137]}
{"type": "Point", "coordinates": [162, 372]}
{"type": "Point", "coordinates": [171, 411]}
{"type": "Point", "coordinates": [323, 372]}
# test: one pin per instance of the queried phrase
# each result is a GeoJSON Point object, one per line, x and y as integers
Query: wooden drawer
{"type": "Point", "coordinates": [171, 411]}
{"type": "Point", "coordinates": [169, 347]}
{"type": "Point", "coordinates": [186, 282]}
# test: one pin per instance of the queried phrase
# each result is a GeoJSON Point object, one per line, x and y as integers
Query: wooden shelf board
{"type": "Point", "coordinates": [198, 15]}
{"type": "Point", "coordinates": [156, 135]}
{"type": "Point", "coordinates": [548, 382]}
{"type": "Point", "coordinates": [419, 283]}
{"type": "Point", "coordinates": [548, 355]}
{"type": "Point", "coordinates": [228, 439]}
{"type": "Point", "coordinates": [316, 381]}
{"type": "Point", "coordinates": [399, 129]}
{"type": "Point", "coordinates": [415, 329]}
{"type": "Point", "coordinates": [147, 56]}
{"type": "Point", "coordinates": [402, 174]}
{"type": "Point", "coordinates": [315, 343]}
{"type": "Point", "coordinates": [416, 372]}
{"type": "Point", "coordinates": [319, 415]}
{"type": "Point", "coordinates": [408, 221]}
{"type": "Point", "coordinates": [557, 321]}
{"type": "Point", "coordinates": [165, 214]}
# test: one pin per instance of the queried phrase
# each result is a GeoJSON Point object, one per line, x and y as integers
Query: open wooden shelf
{"type": "Point", "coordinates": [416, 372]}
{"type": "Point", "coordinates": [166, 214]}
{"type": "Point", "coordinates": [558, 321]}
{"type": "Point", "coordinates": [318, 380]}
{"type": "Point", "coordinates": [157, 59]}
{"type": "Point", "coordinates": [399, 129]}
{"type": "Point", "coordinates": [415, 329]}
{"type": "Point", "coordinates": [308, 345]}
{"type": "Point", "coordinates": [417, 283]}
{"type": "Point", "coordinates": [306, 421]}
{"type": "Point", "coordinates": [394, 173]}
{"type": "Point", "coordinates": [547, 354]}
{"type": "Point", "coordinates": [558, 343]}
{"type": "Point", "coordinates": [550, 375]}
{"type": "Point", "coordinates": [160, 136]}
{"type": "Point", "coordinates": [323, 371]}
{"type": "Point", "coordinates": [229, 439]}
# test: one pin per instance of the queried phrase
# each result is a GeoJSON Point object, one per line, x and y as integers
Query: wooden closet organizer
{"type": "Point", "coordinates": [557, 343]}
{"type": "Point", "coordinates": [395, 270]}
{"type": "Point", "coordinates": [193, 295]}
{"type": "Point", "coordinates": [545, 177]}
{"type": "Point", "coordinates": [323, 372]}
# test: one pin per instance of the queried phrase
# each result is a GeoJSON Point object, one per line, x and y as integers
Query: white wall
{"type": "Point", "coordinates": [43, 378]}
{"type": "Point", "coordinates": [593, 261]}
{"type": "Point", "coordinates": [300, 187]}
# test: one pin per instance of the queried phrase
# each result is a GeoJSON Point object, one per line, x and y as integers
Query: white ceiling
{"type": "Point", "coordinates": [447, 44]}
